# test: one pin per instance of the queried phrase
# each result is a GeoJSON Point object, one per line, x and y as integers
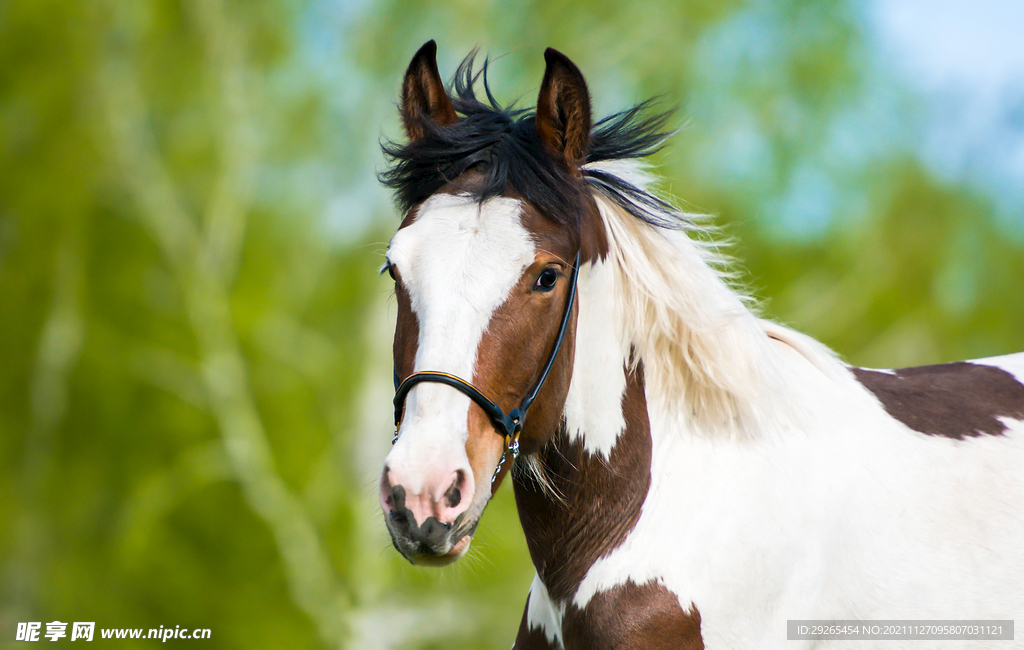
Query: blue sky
{"type": "Point", "coordinates": [966, 62]}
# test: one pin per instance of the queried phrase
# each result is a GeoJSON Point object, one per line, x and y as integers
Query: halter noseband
{"type": "Point", "coordinates": [509, 424]}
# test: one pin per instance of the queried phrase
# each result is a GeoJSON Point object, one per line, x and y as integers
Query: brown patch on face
{"type": "Point", "coordinates": [532, 638]}
{"type": "Point", "coordinates": [407, 331]}
{"type": "Point", "coordinates": [521, 335]}
{"type": "Point", "coordinates": [484, 447]}
{"type": "Point", "coordinates": [522, 331]}
{"type": "Point", "coordinates": [954, 400]}
{"type": "Point", "coordinates": [517, 343]}
{"type": "Point", "coordinates": [602, 497]}
{"type": "Point", "coordinates": [632, 617]}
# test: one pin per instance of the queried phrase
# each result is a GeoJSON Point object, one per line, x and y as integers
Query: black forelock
{"type": "Point", "coordinates": [502, 144]}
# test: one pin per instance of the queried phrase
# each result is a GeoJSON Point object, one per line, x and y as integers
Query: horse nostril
{"type": "Point", "coordinates": [453, 496]}
{"type": "Point", "coordinates": [392, 497]}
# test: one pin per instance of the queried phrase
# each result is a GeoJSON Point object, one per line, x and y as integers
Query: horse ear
{"type": "Point", "coordinates": [423, 96]}
{"type": "Point", "coordinates": [563, 108]}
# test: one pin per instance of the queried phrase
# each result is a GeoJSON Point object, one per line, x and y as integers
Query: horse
{"type": "Point", "coordinates": [687, 474]}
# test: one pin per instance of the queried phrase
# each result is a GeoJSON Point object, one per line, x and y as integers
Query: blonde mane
{"type": "Point", "coordinates": [705, 351]}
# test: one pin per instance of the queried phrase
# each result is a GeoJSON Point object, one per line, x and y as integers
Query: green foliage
{"type": "Point", "coordinates": [194, 362]}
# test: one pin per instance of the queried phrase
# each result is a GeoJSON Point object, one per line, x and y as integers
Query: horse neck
{"type": "Point", "coordinates": [582, 494]}
{"type": "Point", "coordinates": [575, 504]}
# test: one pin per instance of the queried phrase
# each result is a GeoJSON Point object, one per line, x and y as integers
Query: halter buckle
{"type": "Point", "coordinates": [511, 445]}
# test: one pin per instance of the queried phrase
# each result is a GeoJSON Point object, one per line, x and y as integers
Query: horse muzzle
{"type": "Point", "coordinates": [428, 527]}
{"type": "Point", "coordinates": [430, 543]}
{"type": "Point", "coordinates": [433, 544]}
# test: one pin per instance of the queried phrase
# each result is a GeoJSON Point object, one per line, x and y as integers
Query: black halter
{"type": "Point", "coordinates": [509, 424]}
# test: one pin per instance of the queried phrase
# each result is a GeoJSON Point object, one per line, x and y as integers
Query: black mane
{"type": "Point", "coordinates": [503, 144]}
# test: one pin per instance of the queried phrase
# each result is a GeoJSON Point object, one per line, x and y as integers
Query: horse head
{"type": "Point", "coordinates": [497, 222]}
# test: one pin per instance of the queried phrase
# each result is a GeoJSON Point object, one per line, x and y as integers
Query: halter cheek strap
{"type": "Point", "coordinates": [508, 424]}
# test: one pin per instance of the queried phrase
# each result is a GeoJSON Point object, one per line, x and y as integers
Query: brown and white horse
{"type": "Point", "coordinates": [688, 474]}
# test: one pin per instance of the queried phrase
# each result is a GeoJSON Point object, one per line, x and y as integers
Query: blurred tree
{"type": "Point", "coordinates": [180, 354]}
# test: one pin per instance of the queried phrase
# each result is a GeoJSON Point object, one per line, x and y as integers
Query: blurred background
{"type": "Point", "coordinates": [194, 342]}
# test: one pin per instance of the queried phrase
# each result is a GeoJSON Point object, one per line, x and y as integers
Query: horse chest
{"type": "Point", "coordinates": [597, 503]}
{"type": "Point", "coordinates": [629, 616]}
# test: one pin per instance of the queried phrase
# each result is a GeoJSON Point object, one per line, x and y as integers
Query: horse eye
{"type": "Point", "coordinates": [546, 280]}
{"type": "Point", "coordinates": [391, 270]}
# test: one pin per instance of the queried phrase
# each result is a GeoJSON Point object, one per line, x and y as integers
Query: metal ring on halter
{"type": "Point", "coordinates": [510, 446]}
{"type": "Point", "coordinates": [508, 424]}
